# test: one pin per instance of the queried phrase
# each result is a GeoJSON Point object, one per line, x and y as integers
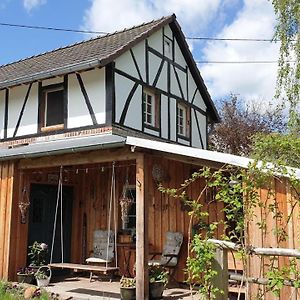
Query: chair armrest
{"type": "Point", "coordinates": [153, 253]}
{"type": "Point", "coordinates": [171, 255]}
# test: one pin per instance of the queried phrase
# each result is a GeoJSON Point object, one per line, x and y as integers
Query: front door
{"type": "Point", "coordinates": [43, 200]}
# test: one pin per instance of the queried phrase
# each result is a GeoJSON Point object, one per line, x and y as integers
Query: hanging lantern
{"type": "Point", "coordinates": [158, 173]}
{"type": "Point", "coordinates": [24, 206]}
{"type": "Point", "coordinates": [125, 203]}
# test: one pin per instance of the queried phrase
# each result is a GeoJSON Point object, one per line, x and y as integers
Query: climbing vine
{"type": "Point", "coordinates": [238, 192]}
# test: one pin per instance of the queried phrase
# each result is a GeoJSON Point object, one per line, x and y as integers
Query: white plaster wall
{"type": "Point", "coordinates": [164, 116]}
{"type": "Point", "coordinates": [202, 125]}
{"type": "Point", "coordinates": [139, 54]}
{"type": "Point", "coordinates": [174, 84]}
{"type": "Point", "coordinates": [198, 101]}
{"type": "Point", "coordinates": [155, 41]}
{"type": "Point", "coordinates": [152, 132]}
{"type": "Point", "coordinates": [183, 142]}
{"type": "Point", "coordinates": [195, 135]}
{"type": "Point", "coordinates": [154, 63]}
{"type": "Point", "coordinates": [53, 81]}
{"type": "Point", "coordinates": [182, 80]}
{"type": "Point", "coordinates": [168, 32]}
{"type": "Point", "coordinates": [29, 120]}
{"type": "Point", "coordinates": [178, 55]}
{"type": "Point", "coordinates": [173, 106]}
{"type": "Point", "coordinates": [16, 100]}
{"type": "Point", "coordinates": [78, 113]}
{"type": "Point", "coordinates": [162, 82]}
{"type": "Point", "coordinates": [94, 82]}
{"type": "Point", "coordinates": [125, 63]}
{"type": "Point", "coordinates": [2, 111]}
{"type": "Point", "coordinates": [134, 112]}
{"type": "Point", "coordinates": [123, 88]}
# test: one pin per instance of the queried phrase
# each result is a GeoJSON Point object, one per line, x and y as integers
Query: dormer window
{"type": "Point", "coordinates": [52, 108]}
{"type": "Point", "coordinates": [150, 108]}
{"type": "Point", "coordinates": [183, 120]}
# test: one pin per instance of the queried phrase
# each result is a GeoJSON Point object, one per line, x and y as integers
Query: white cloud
{"type": "Point", "coordinates": [255, 20]}
{"type": "Point", "coordinates": [31, 4]}
{"type": "Point", "coordinates": [111, 15]}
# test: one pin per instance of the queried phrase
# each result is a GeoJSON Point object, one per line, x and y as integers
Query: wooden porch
{"type": "Point", "coordinates": [89, 175]}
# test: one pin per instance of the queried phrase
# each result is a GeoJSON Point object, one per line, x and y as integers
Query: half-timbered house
{"type": "Point", "coordinates": [69, 114]}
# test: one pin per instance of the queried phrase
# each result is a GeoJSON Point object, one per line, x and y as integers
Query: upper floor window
{"type": "Point", "coordinates": [52, 108]}
{"type": "Point", "coordinates": [168, 47]}
{"type": "Point", "coordinates": [183, 120]}
{"type": "Point", "coordinates": [150, 108]}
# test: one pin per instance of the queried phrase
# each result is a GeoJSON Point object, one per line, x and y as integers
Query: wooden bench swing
{"type": "Point", "coordinates": [101, 254]}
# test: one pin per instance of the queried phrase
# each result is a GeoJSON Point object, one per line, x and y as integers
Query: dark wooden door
{"type": "Point", "coordinates": [43, 200]}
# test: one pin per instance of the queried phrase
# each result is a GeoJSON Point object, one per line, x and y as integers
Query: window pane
{"type": "Point", "coordinates": [54, 108]}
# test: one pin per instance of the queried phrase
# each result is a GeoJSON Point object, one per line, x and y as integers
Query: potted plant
{"type": "Point", "coordinates": [127, 288]}
{"type": "Point", "coordinates": [158, 279]}
{"type": "Point", "coordinates": [41, 276]}
{"type": "Point", "coordinates": [25, 275]}
{"type": "Point", "coordinates": [37, 254]}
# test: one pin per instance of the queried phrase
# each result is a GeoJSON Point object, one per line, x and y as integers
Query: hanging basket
{"type": "Point", "coordinates": [125, 203]}
{"type": "Point", "coordinates": [43, 282]}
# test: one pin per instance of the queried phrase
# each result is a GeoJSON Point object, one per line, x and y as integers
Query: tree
{"type": "Point", "coordinates": [287, 31]}
{"type": "Point", "coordinates": [239, 123]}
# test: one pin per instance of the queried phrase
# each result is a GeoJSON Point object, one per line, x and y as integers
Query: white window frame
{"type": "Point", "coordinates": [182, 126]}
{"type": "Point", "coordinates": [51, 90]}
{"type": "Point", "coordinates": [148, 95]}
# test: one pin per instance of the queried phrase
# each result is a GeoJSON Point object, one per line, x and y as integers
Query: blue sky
{"type": "Point", "coordinates": [218, 18]}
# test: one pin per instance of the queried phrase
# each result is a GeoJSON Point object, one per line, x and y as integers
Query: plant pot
{"type": "Point", "coordinates": [156, 289]}
{"type": "Point", "coordinates": [127, 293]}
{"type": "Point", "coordinates": [42, 282]}
{"type": "Point", "coordinates": [25, 278]}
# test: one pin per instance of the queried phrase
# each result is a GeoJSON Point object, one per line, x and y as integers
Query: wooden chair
{"type": "Point", "coordinates": [103, 249]}
{"type": "Point", "coordinates": [170, 254]}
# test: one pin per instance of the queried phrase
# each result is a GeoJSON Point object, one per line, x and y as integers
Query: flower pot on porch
{"type": "Point", "coordinates": [127, 293]}
{"type": "Point", "coordinates": [25, 278]}
{"type": "Point", "coordinates": [156, 289]}
{"type": "Point", "coordinates": [42, 282]}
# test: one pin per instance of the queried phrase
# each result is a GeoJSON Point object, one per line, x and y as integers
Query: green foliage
{"type": "Point", "coordinates": [158, 273]}
{"type": "Point", "coordinates": [127, 282]}
{"type": "Point", "coordinates": [237, 191]}
{"type": "Point", "coordinates": [281, 150]}
{"type": "Point", "coordinates": [12, 291]}
{"type": "Point", "coordinates": [200, 266]}
{"type": "Point", "coordinates": [288, 33]}
{"type": "Point", "coordinates": [37, 254]}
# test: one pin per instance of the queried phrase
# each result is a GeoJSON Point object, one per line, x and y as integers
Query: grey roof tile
{"type": "Point", "coordinates": [102, 49]}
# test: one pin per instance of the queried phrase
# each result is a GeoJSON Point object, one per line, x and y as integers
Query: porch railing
{"type": "Point", "coordinates": [221, 264]}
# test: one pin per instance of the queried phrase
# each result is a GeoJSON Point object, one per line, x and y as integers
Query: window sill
{"type": "Point", "coordinates": [151, 127]}
{"type": "Point", "coordinates": [183, 137]}
{"type": "Point", "coordinates": [52, 128]}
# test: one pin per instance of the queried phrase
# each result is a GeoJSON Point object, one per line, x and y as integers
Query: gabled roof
{"type": "Point", "coordinates": [97, 52]}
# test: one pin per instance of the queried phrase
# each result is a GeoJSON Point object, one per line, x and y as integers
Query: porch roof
{"type": "Point", "coordinates": [206, 157]}
{"type": "Point", "coordinates": [105, 141]}
{"type": "Point", "coordinates": [69, 145]}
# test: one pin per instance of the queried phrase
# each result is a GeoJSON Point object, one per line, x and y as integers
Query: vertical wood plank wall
{"type": "Point", "coordinates": [6, 207]}
{"type": "Point", "coordinates": [92, 185]}
{"type": "Point", "coordinates": [280, 196]}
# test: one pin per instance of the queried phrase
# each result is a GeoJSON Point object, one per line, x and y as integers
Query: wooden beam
{"type": "Point", "coordinates": [85, 157]}
{"type": "Point", "coordinates": [142, 281]}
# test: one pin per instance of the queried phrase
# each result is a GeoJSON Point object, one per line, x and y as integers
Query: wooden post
{"type": "Point", "coordinates": [142, 282]}
{"type": "Point", "coordinates": [221, 279]}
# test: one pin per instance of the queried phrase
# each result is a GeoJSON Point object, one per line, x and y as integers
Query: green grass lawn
{"type": "Point", "coordinates": [16, 291]}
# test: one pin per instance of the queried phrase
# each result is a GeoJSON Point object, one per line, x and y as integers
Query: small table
{"type": "Point", "coordinates": [127, 249]}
